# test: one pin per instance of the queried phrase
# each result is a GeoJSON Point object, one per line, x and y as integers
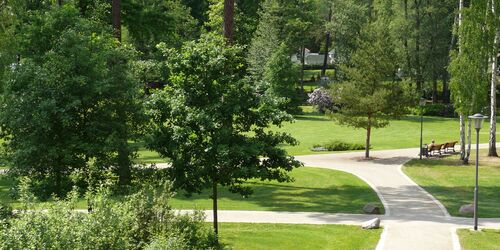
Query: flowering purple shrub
{"type": "Point", "coordinates": [321, 99]}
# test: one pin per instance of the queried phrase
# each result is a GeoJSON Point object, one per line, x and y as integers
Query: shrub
{"type": "Point", "coordinates": [321, 99]}
{"type": "Point", "coordinates": [340, 146]}
{"type": "Point", "coordinates": [436, 109]}
{"type": "Point", "coordinates": [142, 220]}
{"type": "Point", "coordinates": [5, 211]}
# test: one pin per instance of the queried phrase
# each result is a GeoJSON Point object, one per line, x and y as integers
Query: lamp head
{"type": "Point", "coordinates": [478, 120]}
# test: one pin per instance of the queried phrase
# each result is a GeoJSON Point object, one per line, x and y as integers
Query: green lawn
{"type": "Point", "coordinates": [453, 183]}
{"type": "Point", "coordinates": [314, 190]}
{"type": "Point", "coordinates": [250, 236]}
{"type": "Point", "coordinates": [313, 128]}
{"type": "Point", "coordinates": [481, 240]}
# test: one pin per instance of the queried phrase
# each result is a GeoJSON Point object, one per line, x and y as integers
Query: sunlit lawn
{"type": "Point", "coordinates": [249, 236]}
{"type": "Point", "coordinates": [313, 128]}
{"type": "Point", "coordinates": [314, 190]}
{"type": "Point", "coordinates": [453, 183]}
{"type": "Point", "coordinates": [481, 240]}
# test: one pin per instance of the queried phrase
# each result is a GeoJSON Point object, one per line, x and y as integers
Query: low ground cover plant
{"type": "Point", "coordinates": [339, 146]}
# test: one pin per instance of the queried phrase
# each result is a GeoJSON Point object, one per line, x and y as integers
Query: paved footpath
{"type": "Point", "coordinates": [414, 219]}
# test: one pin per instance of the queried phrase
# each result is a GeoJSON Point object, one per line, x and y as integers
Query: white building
{"type": "Point", "coordinates": [314, 58]}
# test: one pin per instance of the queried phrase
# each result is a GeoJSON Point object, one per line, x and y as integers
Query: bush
{"type": "Point", "coordinates": [143, 220]}
{"type": "Point", "coordinates": [321, 99]}
{"type": "Point", "coordinates": [340, 146]}
{"type": "Point", "coordinates": [5, 211]}
{"type": "Point", "coordinates": [436, 109]}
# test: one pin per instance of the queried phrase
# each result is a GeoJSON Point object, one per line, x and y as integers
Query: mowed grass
{"type": "Point", "coordinates": [249, 236]}
{"type": "Point", "coordinates": [314, 128]}
{"type": "Point", "coordinates": [314, 190]}
{"type": "Point", "coordinates": [480, 240]}
{"type": "Point", "coordinates": [452, 183]}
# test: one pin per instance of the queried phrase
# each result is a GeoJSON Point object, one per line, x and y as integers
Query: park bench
{"type": "Point", "coordinates": [434, 148]}
{"type": "Point", "coordinates": [450, 145]}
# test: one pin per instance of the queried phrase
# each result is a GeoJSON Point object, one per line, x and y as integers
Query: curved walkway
{"type": "Point", "coordinates": [414, 219]}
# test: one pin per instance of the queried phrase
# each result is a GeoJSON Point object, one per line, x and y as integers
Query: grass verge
{"type": "Point", "coordinates": [481, 240]}
{"type": "Point", "coordinates": [250, 236]}
{"type": "Point", "coordinates": [452, 183]}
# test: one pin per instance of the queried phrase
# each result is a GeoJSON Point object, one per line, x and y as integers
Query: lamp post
{"type": "Point", "coordinates": [478, 122]}
{"type": "Point", "coordinates": [422, 104]}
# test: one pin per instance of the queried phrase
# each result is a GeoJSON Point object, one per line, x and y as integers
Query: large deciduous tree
{"type": "Point", "coordinates": [468, 68]}
{"type": "Point", "coordinates": [213, 124]}
{"type": "Point", "coordinates": [61, 103]}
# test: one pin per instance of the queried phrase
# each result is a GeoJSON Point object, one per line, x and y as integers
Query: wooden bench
{"type": "Point", "coordinates": [434, 148]}
{"type": "Point", "coordinates": [450, 145]}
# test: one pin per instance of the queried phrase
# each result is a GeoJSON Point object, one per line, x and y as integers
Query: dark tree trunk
{"type": "Point", "coordinates": [327, 46]}
{"type": "Point", "coordinates": [124, 165]}
{"type": "Point", "coordinates": [116, 13]}
{"type": "Point", "coordinates": [418, 65]}
{"type": "Point", "coordinates": [228, 20]}
{"type": "Point", "coordinates": [445, 95]}
{"type": "Point", "coordinates": [368, 135]}
{"type": "Point", "coordinates": [59, 2]}
{"type": "Point", "coordinates": [214, 199]}
{"type": "Point", "coordinates": [405, 39]}
{"type": "Point", "coordinates": [302, 63]}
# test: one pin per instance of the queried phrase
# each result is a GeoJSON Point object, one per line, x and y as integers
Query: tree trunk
{"type": "Point", "coordinates": [214, 199]}
{"type": "Point", "coordinates": [228, 20]}
{"type": "Point", "coordinates": [302, 65]}
{"type": "Point", "coordinates": [469, 140]}
{"type": "Point", "coordinates": [492, 149]}
{"type": "Point", "coordinates": [462, 117]}
{"type": "Point", "coordinates": [368, 135]}
{"type": "Point", "coordinates": [444, 95]}
{"type": "Point", "coordinates": [418, 66]}
{"type": "Point", "coordinates": [327, 46]}
{"type": "Point", "coordinates": [117, 23]}
{"type": "Point", "coordinates": [462, 137]}
{"type": "Point", "coordinates": [124, 165]}
{"type": "Point", "coordinates": [405, 39]}
{"type": "Point", "coordinates": [59, 2]}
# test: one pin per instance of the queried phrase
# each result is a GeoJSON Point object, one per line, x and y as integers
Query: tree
{"type": "Point", "coordinates": [370, 96]}
{"type": "Point", "coordinates": [468, 68]}
{"type": "Point", "coordinates": [212, 123]}
{"type": "Point", "coordinates": [494, 25]}
{"type": "Point", "coordinates": [282, 76]}
{"type": "Point", "coordinates": [151, 22]}
{"type": "Point", "coordinates": [281, 21]}
{"type": "Point", "coordinates": [61, 103]}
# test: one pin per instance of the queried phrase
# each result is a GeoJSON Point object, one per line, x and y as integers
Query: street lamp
{"type": "Point", "coordinates": [422, 104]}
{"type": "Point", "coordinates": [478, 122]}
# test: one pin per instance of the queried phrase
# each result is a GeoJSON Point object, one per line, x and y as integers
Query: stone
{"type": "Point", "coordinates": [467, 209]}
{"type": "Point", "coordinates": [371, 209]}
{"type": "Point", "coordinates": [371, 224]}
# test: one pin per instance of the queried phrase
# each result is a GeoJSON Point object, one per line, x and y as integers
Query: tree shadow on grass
{"type": "Point", "coordinates": [280, 197]}
{"type": "Point", "coordinates": [456, 196]}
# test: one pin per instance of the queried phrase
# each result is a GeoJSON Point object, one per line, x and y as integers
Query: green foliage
{"type": "Point", "coordinates": [470, 80]}
{"type": "Point", "coordinates": [340, 146]}
{"type": "Point", "coordinates": [282, 76]}
{"type": "Point", "coordinates": [436, 109]}
{"type": "Point", "coordinates": [154, 21]}
{"type": "Point", "coordinates": [71, 103]}
{"type": "Point", "coordinates": [211, 122]}
{"type": "Point", "coordinates": [142, 220]}
{"type": "Point", "coordinates": [281, 21]}
{"type": "Point", "coordinates": [367, 99]}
